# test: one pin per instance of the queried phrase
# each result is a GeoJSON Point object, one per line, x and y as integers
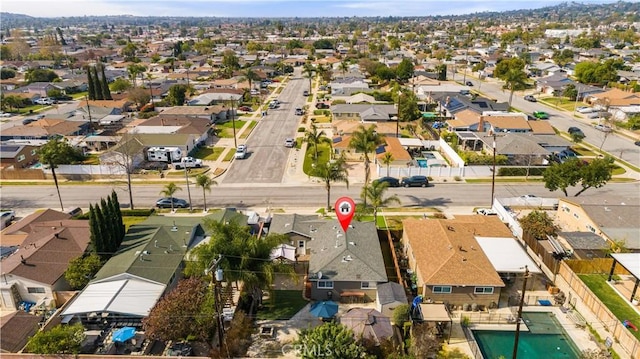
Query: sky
{"type": "Point", "coordinates": [269, 8]}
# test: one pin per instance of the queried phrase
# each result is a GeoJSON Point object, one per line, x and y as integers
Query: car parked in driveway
{"type": "Point", "coordinates": [390, 181]}
{"type": "Point", "coordinates": [322, 106]}
{"type": "Point", "coordinates": [245, 108]}
{"type": "Point", "coordinates": [584, 109]}
{"type": "Point", "coordinates": [530, 98]}
{"type": "Point", "coordinates": [415, 181]}
{"type": "Point", "coordinates": [177, 203]}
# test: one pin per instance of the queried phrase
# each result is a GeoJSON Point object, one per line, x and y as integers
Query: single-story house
{"type": "Point", "coordinates": [363, 112]}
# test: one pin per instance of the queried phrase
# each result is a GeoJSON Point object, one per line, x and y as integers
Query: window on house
{"type": "Point", "coordinates": [365, 285]}
{"type": "Point", "coordinates": [35, 290]}
{"type": "Point", "coordinates": [441, 289]}
{"type": "Point", "coordinates": [33, 152]}
{"type": "Point", "coordinates": [300, 244]}
{"type": "Point", "coordinates": [483, 290]}
{"type": "Point", "coordinates": [21, 158]}
{"type": "Point", "coordinates": [325, 284]}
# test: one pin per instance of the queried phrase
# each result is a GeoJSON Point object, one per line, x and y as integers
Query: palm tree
{"type": "Point", "coordinates": [245, 257]}
{"type": "Point", "coordinates": [322, 72]}
{"type": "Point", "coordinates": [332, 171]}
{"type": "Point", "coordinates": [314, 138]}
{"type": "Point", "coordinates": [134, 70]}
{"type": "Point", "coordinates": [375, 193]}
{"type": "Point", "coordinates": [308, 70]}
{"type": "Point", "coordinates": [204, 181]}
{"type": "Point", "coordinates": [387, 159]}
{"type": "Point", "coordinates": [250, 76]}
{"type": "Point", "coordinates": [515, 80]}
{"type": "Point", "coordinates": [54, 153]}
{"type": "Point", "coordinates": [344, 67]}
{"type": "Point", "coordinates": [365, 140]}
{"type": "Point", "coordinates": [187, 65]}
{"type": "Point", "coordinates": [169, 190]}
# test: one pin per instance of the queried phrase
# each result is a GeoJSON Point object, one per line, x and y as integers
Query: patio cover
{"type": "Point", "coordinates": [506, 255]}
{"type": "Point", "coordinates": [284, 251]}
{"type": "Point", "coordinates": [434, 312]}
{"type": "Point", "coordinates": [630, 262]}
{"type": "Point", "coordinates": [411, 142]}
{"type": "Point", "coordinates": [132, 296]}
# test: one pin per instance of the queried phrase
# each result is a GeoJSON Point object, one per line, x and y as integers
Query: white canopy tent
{"type": "Point", "coordinates": [506, 255]}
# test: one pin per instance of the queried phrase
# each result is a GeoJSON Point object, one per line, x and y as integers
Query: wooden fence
{"type": "Point", "coordinates": [583, 296]}
{"type": "Point", "coordinates": [22, 174]}
{"type": "Point", "coordinates": [595, 266]}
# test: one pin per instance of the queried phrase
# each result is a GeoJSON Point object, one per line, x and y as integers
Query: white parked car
{"type": "Point", "coordinates": [241, 152]}
{"type": "Point", "coordinates": [188, 162]}
{"type": "Point", "coordinates": [603, 128]}
{"type": "Point", "coordinates": [289, 143]}
{"type": "Point", "coordinates": [6, 217]}
{"type": "Point", "coordinates": [5, 114]}
{"type": "Point", "coordinates": [487, 212]}
{"type": "Point", "coordinates": [584, 109]}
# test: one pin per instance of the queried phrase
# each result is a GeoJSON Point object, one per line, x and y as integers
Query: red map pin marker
{"type": "Point", "coordinates": [345, 208]}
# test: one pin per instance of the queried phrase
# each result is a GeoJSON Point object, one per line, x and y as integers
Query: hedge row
{"type": "Point", "coordinates": [520, 171]}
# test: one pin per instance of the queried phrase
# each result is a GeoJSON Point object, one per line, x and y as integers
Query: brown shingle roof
{"type": "Point", "coordinates": [45, 253]}
{"type": "Point", "coordinates": [541, 128]}
{"type": "Point", "coordinates": [447, 252]}
{"type": "Point", "coordinates": [16, 330]}
{"type": "Point", "coordinates": [16, 233]}
{"type": "Point", "coordinates": [395, 148]}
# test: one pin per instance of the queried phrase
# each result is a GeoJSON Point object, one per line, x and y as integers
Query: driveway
{"type": "Point", "coordinates": [267, 159]}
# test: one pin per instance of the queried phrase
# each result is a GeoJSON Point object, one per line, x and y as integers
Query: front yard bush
{"type": "Point", "coordinates": [474, 158]}
{"type": "Point", "coordinates": [520, 171]}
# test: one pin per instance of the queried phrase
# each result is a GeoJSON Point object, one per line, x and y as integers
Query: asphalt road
{"type": "Point", "coordinates": [24, 199]}
{"type": "Point", "coordinates": [267, 156]}
{"type": "Point", "coordinates": [614, 144]}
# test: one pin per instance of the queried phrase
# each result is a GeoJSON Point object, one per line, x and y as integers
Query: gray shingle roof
{"type": "Point", "coordinates": [391, 292]}
{"type": "Point", "coordinates": [351, 256]}
{"type": "Point", "coordinates": [294, 223]}
{"type": "Point", "coordinates": [583, 240]}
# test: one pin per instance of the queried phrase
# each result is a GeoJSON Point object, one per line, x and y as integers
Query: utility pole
{"type": "Point", "coordinates": [519, 318]}
{"type": "Point", "coordinates": [216, 278]}
{"type": "Point", "coordinates": [493, 171]}
{"type": "Point", "coordinates": [186, 178]}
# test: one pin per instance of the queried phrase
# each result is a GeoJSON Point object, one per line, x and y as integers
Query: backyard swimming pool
{"type": "Point", "coordinates": [546, 339]}
{"type": "Point", "coordinates": [422, 162]}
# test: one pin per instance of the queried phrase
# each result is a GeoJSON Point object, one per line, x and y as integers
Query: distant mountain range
{"type": "Point", "coordinates": [564, 12]}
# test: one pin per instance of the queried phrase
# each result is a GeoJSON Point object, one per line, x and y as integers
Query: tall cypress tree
{"type": "Point", "coordinates": [96, 84]}
{"type": "Point", "coordinates": [106, 92]}
{"type": "Point", "coordinates": [104, 233]}
{"type": "Point", "coordinates": [116, 207]}
{"type": "Point", "coordinates": [108, 227]}
{"type": "Point", "coordinates": [92, 88]}
{"type": "Point", "coordinates": [114, 227]}
{"type": "Point", "coordinates": [96, 231]}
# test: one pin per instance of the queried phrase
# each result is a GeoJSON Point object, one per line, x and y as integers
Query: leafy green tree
{"type": "Point", "coordinates": [596, 174]}
{"type": "Point", "coordinates": [365, 140]}
{"type": "Point", "coordinates": [539, 225]}
{"type": "Point", "coordinates": [405, 69]}
{"type": "Point", "coordinates": [325, 44]}
{"type": "Point", "coordinates": [374, 193]}
{"type": "Point", "coordinates": [177, 95]}
{"type": "Point", "coordinates": [560, 176]}
{"type": "Point", "coordinates": [185, 312]}
{"type": "Point", "coordinates": [562, 58]}
{"type": "Point", "coordinates": [571, 92]}
{"type": "Point", "coordinates": [408, 107]}
{"type": "Point", "coordinates": [401, 315]}
{"type": "Point", "coordinates": [205, 182]}
{"type": "Point", "coordinates": [314, 138]}
{"type": "Point", "coordinates": [230, 63]}
{"type": "Point", "coordinates": [61, 339]}
{"type": "Point", "coordinates": [169, 190]}
{"type": "Point", "coordinates": [57, 152]}
{"type": "Point", "coordinates": [6, 73]}
{"type": "Point", "coordinates": [120, 85]}
{"type": "Point", "coordinates": [599, 73]}
{"type": "Point", "coordinates": [40, 75]}
{"type": "Point", "coordinates": [332, 171]}
{"type": "Point", "coordinates": [129, 51]}
{"type": "Point", "coordinates": [81, 270]}
{"type": "Point", "coordinates": [329, 340]}
{"type": "Point", "coordinates": [139, 96]}
{"type": "Point", "coordinates": [577, 137]}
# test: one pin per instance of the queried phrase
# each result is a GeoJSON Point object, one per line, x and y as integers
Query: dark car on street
{"type": "Point", "coordinates": [390, 181]}
{"type": "Point", "coordinates": [177, 203]}
{"type": "Point", "coordinates": [415, 181]}
{"type": "Point", "coordinates": [530, 98]}
{"type": "Point", "coordinates": [577, 131]}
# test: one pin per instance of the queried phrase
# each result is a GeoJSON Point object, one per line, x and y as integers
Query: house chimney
{"type": "Point", "coordinates": [22, 260]}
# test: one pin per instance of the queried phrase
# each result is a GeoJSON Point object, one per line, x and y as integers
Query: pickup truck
{"type": "Point", "coordinates": [188, 162]}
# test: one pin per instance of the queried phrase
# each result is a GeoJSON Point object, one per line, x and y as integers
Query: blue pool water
{"type": "Point", "coordinates": [422, 162]}
{"type": "Point", "coordinates": [545, 340]}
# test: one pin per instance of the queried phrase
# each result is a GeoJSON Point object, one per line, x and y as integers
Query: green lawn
{"type": "Point", "coordinates": [560, 102]}
{"type": "Point", "coordinates": [618, 306]}
{"type": "Point", "coordinates": [229, 155]}
{"type": "Point", "coordinates": [247, 130]}
{"type": "Point", "coordinates": [225, 130]}
{"type": "Point", "coordinates": [209, 153]}
{"type": "Point", "coordinates": [130, 221]}
{"type": "Point", "coordinates": [282, 305]}
{"type": "Point", "coordinates": [324, 150]}
{"type": "Point", "coordinates": [193, 172]}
